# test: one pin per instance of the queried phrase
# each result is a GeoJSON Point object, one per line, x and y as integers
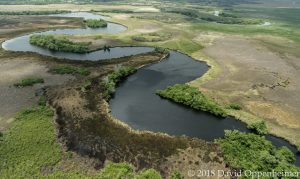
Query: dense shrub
{"type": "Point", "coordinates": [259, 128]}
{"type": "Point", "coordinates": [110, 82]}
{"type": "Point", "coordinates": [94, 23]}
{"type": "Point", "coordinates": [59, 43]}
{"type": "Point", "coordinates": [29, 82]}
{"type": "Point", "coordinates": [70, 70]}
{"type": "Point", "coordinates": [190, 96]}
{"type": "Point", "coordinates": [248, 151]}
{"type": "Point", "coordinates": [149, 174]}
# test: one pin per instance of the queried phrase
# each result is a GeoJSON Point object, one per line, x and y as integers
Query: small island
{"type": "Point", "coordinates": [95, 23]}
{"type": "Point", "coordinates": [58, 43]}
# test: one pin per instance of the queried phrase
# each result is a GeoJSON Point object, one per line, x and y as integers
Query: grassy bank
{"type": "Point", "coordinates": [59, 43]}
{"type": "Point", "coordinates": [192, 97]}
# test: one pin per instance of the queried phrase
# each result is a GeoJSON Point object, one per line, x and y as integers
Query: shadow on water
{"type": "Point", "coordinates": [136, 103]}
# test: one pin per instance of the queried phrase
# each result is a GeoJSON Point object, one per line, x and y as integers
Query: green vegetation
{"type": "Point", "coordinates": [125, 11]}
{"type": "Point", "coordinates": [152, 37]}
{"type": "Point", "coordinates": [259, 128]}
{"type": "Point", "coordinates": [234, 106]}
{"type": "Point", "coordinates": [192, 97]}
{"type": "Point", "coordinates": [160, 50]}
{"type": "Point", "coordinates": [86, 85]}
{"type": "Point", "coordinates": [195, 14]}
{"type": "Point", "coordinates": [248, 151]}
{"type": "Point", "coordinates": [33, 12]}
{"type": "Point", "coordinates": [177, 175]}
{"type": "Point", "coordinates": [169, 18]}
{"type": "Point", "coordinates": [29, 82]}
{"type": "Point", "coordinates": [29, 145]}
{"type": "Point", "coordinates": [29, 149]}
{"type": "Point", "coordinates": [94, 23]}
{"type": "Point", "coordinates": [123, 170]}
{"type": "Point", "coordinates": [55, 43]}
{"type": "Point", "coordinates": [70, 70]}
{"type": "Point", "coordinates": [111, 81]}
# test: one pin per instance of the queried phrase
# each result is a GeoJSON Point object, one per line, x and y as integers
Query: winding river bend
{"type": "Point", "coordinates": [21, 44]}
{"type": "Point", "coordinates": [135, 101]}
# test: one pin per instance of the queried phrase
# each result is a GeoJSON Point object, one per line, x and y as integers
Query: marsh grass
{"type": "Point", "coordinates": [259, 127]}
{"type": "Point", "coordinates": [29, 82]}
{"type": "Point", "coordinates": [70, 70]}
{"type": "Point", "coordinates": [29, 145]}
{"type": "Point", "coordinates": [152, 37]}
{"type": "Point", "coordinates": [234, 106]}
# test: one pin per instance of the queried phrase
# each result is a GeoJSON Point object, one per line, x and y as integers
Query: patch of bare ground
{"type": "Point", "coordinates": [14, 67]}
{"type": "Point", "coordinates": [264, 82]}
{"type": "Point", "coordinates": [12, 26]}
{"type": "Point", "coordinates": [13, 99]}
{"type": "Point", "coordinates": [86, 126]}
{"type": "Point", "coordinates": [149, 28]}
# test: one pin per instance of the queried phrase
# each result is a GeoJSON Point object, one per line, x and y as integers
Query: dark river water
{"type": "Point", "coordinates": [135, 101]}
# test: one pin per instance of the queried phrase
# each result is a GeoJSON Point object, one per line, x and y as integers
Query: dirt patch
{"type": "Point", "coordinates": [13, 99]}
{"type": "Point", "coordinates": [264, 82]}
{"type": "Point", "coordinates": [149, 28]}
{"type": "Point", "coordinates": [14, 67]}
